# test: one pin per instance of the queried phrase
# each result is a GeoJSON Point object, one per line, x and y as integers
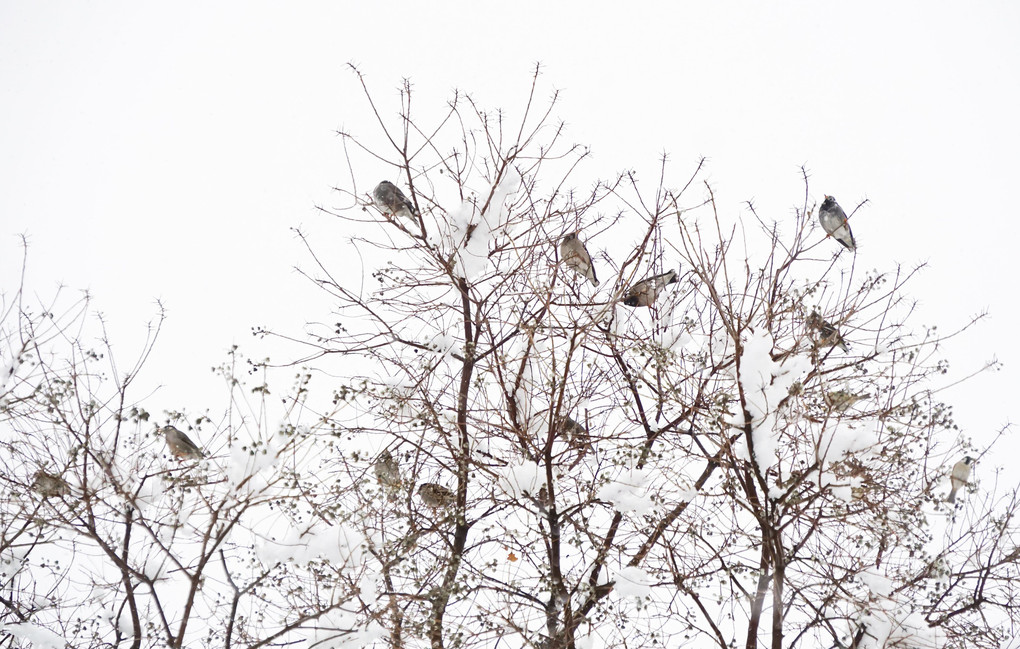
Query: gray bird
{"type": "Point", "coordinates": [48, 485]}
{"type": "Point", "coordinates": [830, 336]}
{"type": "Point", "coordinates": [181, 445]}
{"type": "Point", "coordinates": [834, 222]}
{"type": "Point", "coordinates": [387, 471]}
{"type": "Point", "coordinates": [841, 400]}
{"type": "Point", "coordinates": [576, 257]}
{"type": "Point", "coordinates": [435, 496]}
{"type": "Point", "coordinates": [647, 290]}
{"type": "Point", "coordinates": [390, 200]}
{"type": "Point", "coordinates": [958, 478]}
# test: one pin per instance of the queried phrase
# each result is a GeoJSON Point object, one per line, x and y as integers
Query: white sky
{"type": "Point", "coordinates": [166, 151]}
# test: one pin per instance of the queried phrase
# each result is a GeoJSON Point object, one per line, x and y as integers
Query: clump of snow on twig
{"type": "Point", "coordinates": [473, 230]}
{"type": "Point", "coordinates": [765, 383]}
{"type": "Point", "coordinates": [520, 480]}
{"type": "Point", "coordinates": [629, 492]}
{"type": "Point", "coordinates": [38, 636]}
{"type": "Point", "coordinates": [633, 582]}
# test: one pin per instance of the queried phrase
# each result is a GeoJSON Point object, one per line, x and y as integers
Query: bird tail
{"type": "Point", "coordinates": [952, 495]}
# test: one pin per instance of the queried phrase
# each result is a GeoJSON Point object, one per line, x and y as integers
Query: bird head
{"type": "Point", "coordinates": [968, 460]}
{"type": "Point", "coordinates": [630, 300]}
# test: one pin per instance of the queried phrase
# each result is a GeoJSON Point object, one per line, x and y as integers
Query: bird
{"type": "Point", "coordinates": [644, 292]}
{"type": "Point", "coordinates": [834, 222]}
{"type": "Point", "coordinates": [841, 400]}
{"type": "Point", "coordinates": [48, 485]}
{"type": "Point", "coordinates": [387, 471]}
{"type": "Point", "coordinates": [392, 201]}
{"type": "Point", "coordinates": [576, 256]}
{"type": "Point", "coordinates": [435, 496]}
{"type": "Point", "coordinates": [575, 432]}
{"type": "Point", "coordinates": [830, 335]}
{"type": "Point", "coordinates": [959, 476]}
{"type": "Point", "coordinates": [181, 445]}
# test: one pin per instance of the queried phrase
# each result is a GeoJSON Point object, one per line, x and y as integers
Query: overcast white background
{"type": "Point", "coordinates": [166, 151]}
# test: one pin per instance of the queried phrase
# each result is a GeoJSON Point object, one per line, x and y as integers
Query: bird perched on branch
{"type": "Point", "coordinates": [575, 432]}
{"type": "Point", "coordinates": [834, 222]}
{"type": "Point", "coordinates": [841, 400]}
{"type": "Point", "coordinates": [48, 485]}
{"type": "Point", "coordinates": [390, 200]}
{"type": "Point", "coordinates": [435, 496]}
{"type": "Point", "coordinates": [958, 478]}
{"type": "Point", "coordinates": [181, 445]}
{"type": "Point", "coordinates": [647, 290]}
{"type": "Point", "coordinates": [387, 471]}
{"type": "Point", "coordinates": [830, 336]}
{"type": "Point", "coordinates": [576, 257]}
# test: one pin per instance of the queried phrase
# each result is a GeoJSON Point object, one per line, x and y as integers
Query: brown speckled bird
{"type": "Point", "coordinates": [48, 485]}
{"type": "Point", "coordinates": [181, 445]}
{"type": "Point", "coordinates": [435, 496]}
{"type": "Point", "coordinates": [576, 433]}
{"type": "Point", "coordinates": [387, 471]}
{"type": "Point", "coordinates": [830, 336]}
{"type": "Point", "coordinates": [841, 400]}
{"type": "Point", "coordinates": [647, 290]}
{"type": "Point", "coordinates": [576, 257]}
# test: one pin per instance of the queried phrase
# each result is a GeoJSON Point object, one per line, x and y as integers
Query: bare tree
{"type": "Point", "coordinates": [109, 539]}
{"type": "Point", "coordinates": [682, 428]}
{"type": "Point", "coordinates": [753, 459]}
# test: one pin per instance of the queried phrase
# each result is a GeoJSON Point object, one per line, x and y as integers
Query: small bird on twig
{"type": "Point", "coordinates": [576, 257]}
{"type": "Point", "coordinates": [576, 433]}
{"type": "Point", "coordinates": [390, 200]}
{"type": "Point", "coordinates": [435, 496]}
{"type": "Point", "coordinates": [958, 478]}
{"type": "Point", "coordinates": [387, 471]}
{"type": "Point", "coordinates": [48, 485]}
{"type": "Point", "coordinates": [647, 290]}
{"type": "Point", "coordinates": [830, 336]}
{"type": "Point", "coordinates": [834, 222]}
{"type": "Point", "coordinates": [181, 445]}
{"type": "Point", "coordinates": [841, 400]}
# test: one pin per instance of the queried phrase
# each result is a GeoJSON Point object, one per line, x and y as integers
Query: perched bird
{"type": "Point", "coordinates": [833, 220]}
{"type": "Point", "coordinates": [841, 400]}
{"type": "Point", "coordinates": [575, 432]}
{"type": "Point", "coordinates": [435, 496]}
{"type": "Point", "coordinates": [48, 485]}
{"type": "Point", "coordinates": [576, 257]}
{"type": "Point", "coordinates": [392, 201]}
{"type": "Point", "coordinates": [543, 496]}
{"type": "Point", "coordinates": [644, 292]}
{"type": "Point", "coordinates": [181, 445]}
{"type": "Point", "coordinates": [387, 471]}
{"type": "Point", "coordinates": [830, 335]}
{"type": "Point", "coordinates": [959, 476]}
